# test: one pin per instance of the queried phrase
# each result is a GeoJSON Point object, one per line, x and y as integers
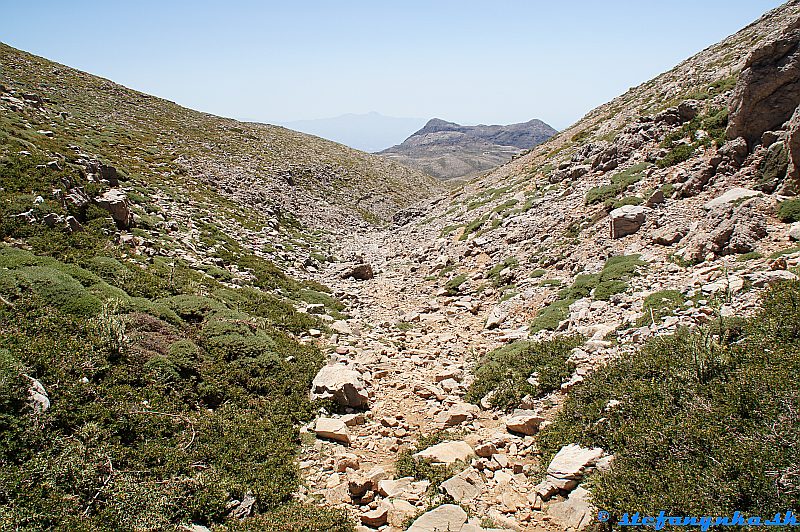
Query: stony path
{"type": "Point", "coordinates": [417, 373]}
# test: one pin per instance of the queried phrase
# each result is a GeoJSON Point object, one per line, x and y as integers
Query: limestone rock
{"type": "Point", "coordinates": [626, 220]}
{"type": "Point", "coordinates": [666, 236]}
{"type": "Point", "coordinates": [496, 317]}
{"type": "Point", "coordinates": [37, 396]}
{"type": "Point", "coordinates": [332, 429]}
{"type": "Point", "coordinates": [464, 487]}
{"type": "Point", "coordinates": [376, 518]}
{"type": "Point", "coordinates": [570, 464]}
{"type": "Point", "coordinates": [732, 195]}
{"type": "Point", "coordinates": [341, 384]}
{"type": "Point", "coordinates": [575, 512]}
{"type": "Point", "coordinates": [447, 452]}
{"type": "Point", "coordinates": [524, 422]}
{"type": "Point", "coordinates": [445, 518]}
{"type": "Point", "coordinates": [794, 231]}
{"type": "Point", "coordinates": [115, 201]}
{"type": "Point", "coordinates": [394, 488]}
{"type": "Point", "coordinates": [398, 511]}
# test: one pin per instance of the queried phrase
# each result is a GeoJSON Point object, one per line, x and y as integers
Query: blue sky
{"type": "Point", "coordinates": [467, 61]}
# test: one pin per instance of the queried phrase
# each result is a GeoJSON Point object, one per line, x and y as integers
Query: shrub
{"type": "Point", "coordinates": [789, 211]}
{"type": "Point", "coordinates": [505, 372]}
{"type": "Point", "coordinates": [619, 182]}
{"type": "Point", "coordinates": [190, 307]}
{"type": "Point", "coordinates": [453, 286]}
{"type": "Point", "coordinates": [717, 408]}
{"type": "Point", "coordinates": [612, 279]}
{"type": "Point", "coordinates": [659, 305]}
{"type": "Point", "coordinates": [772, 169]}
{"type": "Point", "coordinates": [550, 316]}
{"type": "Point", "coordinates": [678, 154]}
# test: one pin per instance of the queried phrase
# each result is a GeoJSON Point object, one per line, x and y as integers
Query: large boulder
{"type": "Point", "coordinates": [626, 220]}
{"type": "Point", "coordinates": [115, 201]}
{"type": "Point", "coordinates": [524, 422]}
{"type": "Point", "coordinates": [445, 518]}
{"type": "Point", "coordinates": [340, 384]}
{"type": "Point", "coordinates": [768, 90]}
{"type": "Point", "coordinates": [447, 452]}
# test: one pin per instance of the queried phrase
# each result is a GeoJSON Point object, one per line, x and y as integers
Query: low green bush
{"type": "Point", "coordinates": [453, 286]}
{"type": "Point", "coordinates": [677, 154]}
{"type": "Point", "coordinates": [612, 279]}
{"type": "Point", "coordinates": [716, 408]}
{"type": "Point", "coordinates": [660, 304]}
{"type": "Point", "coordinates": [505, 372]}
{"type": "Point", "coordinates": [619, 183]}
{"type": "Point", "coordinates": [789, 211]}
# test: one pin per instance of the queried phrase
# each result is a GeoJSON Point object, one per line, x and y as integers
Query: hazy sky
{"type": "Point", "coordinates": [467, 61]}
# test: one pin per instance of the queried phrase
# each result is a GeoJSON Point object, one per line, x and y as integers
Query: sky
{"type": "Point", "coordinates": [499, 61]}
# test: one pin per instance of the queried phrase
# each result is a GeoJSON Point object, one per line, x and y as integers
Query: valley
{"type": "Point", "coordinates": [215, 325]}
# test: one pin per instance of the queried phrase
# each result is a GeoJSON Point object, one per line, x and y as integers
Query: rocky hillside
{"type": "Point", "coordinates": [448, 150]}
{"type": "Point", "coordinates": [158, 330]}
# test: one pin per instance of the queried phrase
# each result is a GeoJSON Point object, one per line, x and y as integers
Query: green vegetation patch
{"type": "Point", "coordinates": [619, 183]}
{"type": "Point", "coordinates": [789, 211]}
{"type": "Point", "coordinates": [424, 469]}
{"type": "Point", "coordinates": [612, 279]}
{"type": "Point", "coordinates": [659, 305]}
{"type": "Point", "coordinates": [506, 374]}
{"type": "Point", "coordinates": [493, 274]}
{"type": "Point", "coordinates": [453, 286]}
{"type": "Point", "coordinates": [716, 408]}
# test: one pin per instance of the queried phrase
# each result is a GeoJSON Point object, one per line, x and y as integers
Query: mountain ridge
{"type": "Point", "coordinates": [449, 150]}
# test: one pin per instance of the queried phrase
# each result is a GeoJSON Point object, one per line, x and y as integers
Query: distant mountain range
{"type": "Point", "coordinates": [448, 150]}
{"type": "Point", "coordinates": [370, 132]}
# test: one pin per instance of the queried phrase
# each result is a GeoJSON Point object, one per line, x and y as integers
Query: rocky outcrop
{"type": "Point", "coordinates": [793, 145]}
{"type": "Point", "coordinates": [768, 91]}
